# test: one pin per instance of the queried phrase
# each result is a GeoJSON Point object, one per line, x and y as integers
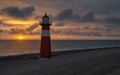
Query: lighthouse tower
{"type": "Point", "coordinates": [45, 49]}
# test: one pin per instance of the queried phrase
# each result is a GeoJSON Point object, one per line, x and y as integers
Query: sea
{"type": "Point", "coordinates": [21, 47]}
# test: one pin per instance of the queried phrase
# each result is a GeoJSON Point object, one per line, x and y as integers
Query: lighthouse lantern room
{"type": "Point", "coordinates": [46, 20]}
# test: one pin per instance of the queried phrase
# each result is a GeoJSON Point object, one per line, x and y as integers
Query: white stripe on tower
{"type": "Point", "coordinates": [46, 33]}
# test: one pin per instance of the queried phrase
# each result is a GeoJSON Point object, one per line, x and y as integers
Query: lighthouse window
{"type": "Point", "coordinates": [46, 20]}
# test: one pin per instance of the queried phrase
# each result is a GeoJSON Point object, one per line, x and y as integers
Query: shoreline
{"type": "Point", "coordinates": [54, 53]}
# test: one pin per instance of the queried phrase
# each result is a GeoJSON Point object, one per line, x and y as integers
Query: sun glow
{"type": "Point", "coordinates": [20, 37]}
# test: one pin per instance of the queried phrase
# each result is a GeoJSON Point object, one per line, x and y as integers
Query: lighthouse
{"type": "Point", "coordinates": [45, 48]}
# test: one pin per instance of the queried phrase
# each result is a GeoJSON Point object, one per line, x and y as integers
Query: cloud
{"type": "Point", "coordinates": [16, 31]}
{"type": "Point", "coordinates": [88, 16]}
{"type": "Point", "coordinates": [1, 30]}
{"type": "Point", "coordinates": [114, 20]}
{"type": "Point", "coordinates": [17, 12]}
{"type": "Point", "coordinates": [37, 17]}
{"type": "Point", "coordinates": [76, 32]}
{"type": "Point", "coordinates": [29, 30]}
{"type": "Point", "coordinates": [89, 29]}
{"type": "Point", "coordinates": [32, 27]}
{"type": "Point", "coordinates": [67, 14]}
{"type": "Point", "coordinates": [5, 24]}
{"type": "Point", "coordinates": [59, 24]}
{"type": "Point", "coordinates": [2, 23]}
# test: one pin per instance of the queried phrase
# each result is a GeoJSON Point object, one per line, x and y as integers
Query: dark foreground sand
{"type": "Point", "coordinates": [105, 61]}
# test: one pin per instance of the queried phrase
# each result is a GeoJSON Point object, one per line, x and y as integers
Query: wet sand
{"type": "Point", "coordinates": [104, 61]}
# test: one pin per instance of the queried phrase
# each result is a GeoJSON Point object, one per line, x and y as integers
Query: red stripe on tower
{"type": "Point", "coordinates": [45, 49]}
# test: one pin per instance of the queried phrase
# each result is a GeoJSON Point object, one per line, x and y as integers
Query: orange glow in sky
{"type": "Point", "coordinates": [21, 22]}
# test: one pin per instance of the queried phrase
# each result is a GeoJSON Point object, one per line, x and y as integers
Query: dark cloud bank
{"type": "Point", "coordinates": [68, 15]}
{"type": "Point", "coordinates": [89, 16]}
{"type": "Point", "coordinates": [17, 12]}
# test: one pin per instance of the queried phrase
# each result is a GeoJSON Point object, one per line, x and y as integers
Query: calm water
{"type": "Point", "coordinates": [32, 46]}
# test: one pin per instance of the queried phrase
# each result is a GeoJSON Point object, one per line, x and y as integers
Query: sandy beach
{"type": "Point", "coordinates": [104, 61]}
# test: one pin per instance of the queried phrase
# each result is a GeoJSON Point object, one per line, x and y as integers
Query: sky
{"type": "Point", "coordinates": [72, 19]}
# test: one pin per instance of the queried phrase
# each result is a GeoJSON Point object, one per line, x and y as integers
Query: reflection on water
{"type": "Point", "coordinates": [18, 47]}
{"type": "Point", "coordinates": [10, 47]}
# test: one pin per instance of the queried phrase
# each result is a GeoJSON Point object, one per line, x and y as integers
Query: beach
{"type": "Point", "coordinates": [102, 61]}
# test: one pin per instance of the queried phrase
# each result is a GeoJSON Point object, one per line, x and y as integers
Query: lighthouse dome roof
{"type": "Point", "coordinates": [45, 16]}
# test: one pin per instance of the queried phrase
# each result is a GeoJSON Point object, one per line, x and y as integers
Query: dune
{"type": "Point", "coordinates": [102, 61]}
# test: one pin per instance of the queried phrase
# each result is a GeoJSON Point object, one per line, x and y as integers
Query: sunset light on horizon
{"type": "Point", "coordinates": [70, 21]}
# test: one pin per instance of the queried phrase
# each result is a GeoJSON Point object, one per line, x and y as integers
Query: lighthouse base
{"type": "Point", "coordinates": [45, 51]}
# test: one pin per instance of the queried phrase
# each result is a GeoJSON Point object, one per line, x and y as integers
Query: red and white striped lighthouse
{"type": "Point", "coordinates": [45, 49]}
